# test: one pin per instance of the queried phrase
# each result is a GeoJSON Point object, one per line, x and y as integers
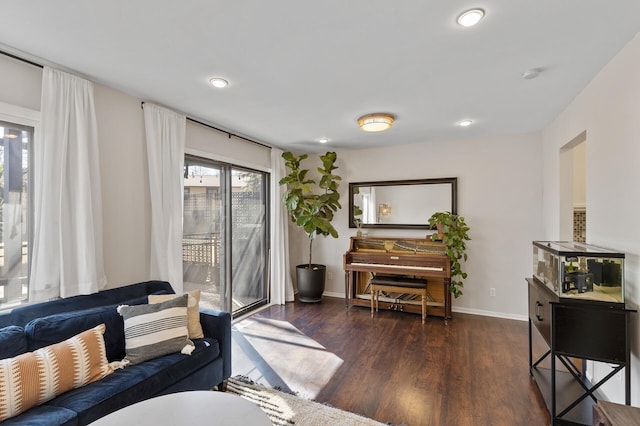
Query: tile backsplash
{"type": "Point", "coordinates": [579, 225]}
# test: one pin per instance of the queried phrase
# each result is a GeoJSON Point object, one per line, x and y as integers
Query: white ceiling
{"type": "Point", "coordinates": [302, 70]}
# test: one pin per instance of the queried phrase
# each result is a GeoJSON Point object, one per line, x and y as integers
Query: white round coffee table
{"type": "Point", "coordinates": [189, 408]}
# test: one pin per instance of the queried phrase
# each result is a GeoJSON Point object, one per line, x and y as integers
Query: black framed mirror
{"type": "Point", "coordinates": [401, 203]}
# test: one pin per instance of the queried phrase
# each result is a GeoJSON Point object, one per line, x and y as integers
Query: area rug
{"type": "Point", "coordinates": [284, 409]}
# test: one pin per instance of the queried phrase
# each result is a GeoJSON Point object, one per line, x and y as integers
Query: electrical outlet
{"type": "Point", "coordinates": [329, 276]}
{"type": "Point", "coordinates": [492, 292]}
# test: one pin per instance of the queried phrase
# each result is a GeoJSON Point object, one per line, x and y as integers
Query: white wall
{"type": "Point", "coordinates": [126, 203]}
{"type": "Point", "coordinates": [579, 175]}
{"type": "Point", "coordinates": [499, 194]}
{"type": "Point", "coordinates": [20, 84]}
{"type": "Point", "coordinates": [608, 109]}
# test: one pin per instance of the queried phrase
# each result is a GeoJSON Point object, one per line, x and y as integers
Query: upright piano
{"type": "Point", "coordinates": [409, 257]}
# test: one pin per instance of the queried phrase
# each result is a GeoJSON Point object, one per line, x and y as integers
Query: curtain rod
{"type": "Point", "coordinates": [35, 64]}
{"type": "Point", "coordinates": [230, 135]}
{"type": "Point", "coordinates": [11, 55]}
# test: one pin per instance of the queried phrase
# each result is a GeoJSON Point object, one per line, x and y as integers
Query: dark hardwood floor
{"type": "Point", "coordinates": [473, 371]}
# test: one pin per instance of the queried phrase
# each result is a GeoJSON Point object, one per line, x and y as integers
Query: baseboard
{"type": "Point", "coordinates": [333, 294]}
{"type": "Point", "coordinates": [490, 314]}
{"type": "Point", "coordinates": [460, 310]}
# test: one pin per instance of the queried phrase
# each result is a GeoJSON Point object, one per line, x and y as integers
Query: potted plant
{"type": "Point", "coordinates": [311, 206]}
{"type": "Point", "coordinates": [357, 214]}
{"type": "Point", "coordinates": [452, 230]}
{"type": "Point", "coordinates": [358, 220]}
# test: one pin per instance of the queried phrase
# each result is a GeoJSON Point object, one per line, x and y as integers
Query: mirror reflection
{"type": "Point", "coordinates": [400, 204]}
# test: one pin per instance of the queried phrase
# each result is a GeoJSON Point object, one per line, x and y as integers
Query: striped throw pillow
{"type": "Point", "coordinates": [193, 311]}
{"type": "Point", "coordinates": [35, 377]}
{"type": "Point", "coordinates": [154, 330]}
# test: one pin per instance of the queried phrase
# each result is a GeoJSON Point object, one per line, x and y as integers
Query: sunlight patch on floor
{"type": "Point", "coordinates": [285, 356]}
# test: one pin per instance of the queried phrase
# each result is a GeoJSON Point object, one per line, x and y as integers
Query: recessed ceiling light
{"type": "Point", "coordinates": [375, 122]}
{"type": "Point", "coordinates": [218, 82]}
{"type": "Point", "coordinates": [323, 140]}
{"type": "Point", "coordinates": [465, 123]}
{"type": "Point", "coordinates": [470, 17]}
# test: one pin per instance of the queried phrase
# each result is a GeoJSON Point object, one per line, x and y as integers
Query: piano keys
{"type": "Point", "coordinates": [409, 257]}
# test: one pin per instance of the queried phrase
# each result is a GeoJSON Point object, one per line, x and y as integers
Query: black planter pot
{"type": "Point", "coordinates": [310, 282]}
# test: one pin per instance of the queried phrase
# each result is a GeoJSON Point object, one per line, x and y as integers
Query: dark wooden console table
{"type": "Point", "coordinates": [582, 330]}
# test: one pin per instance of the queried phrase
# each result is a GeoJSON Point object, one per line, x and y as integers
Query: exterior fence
{"type": "Point", "coordinates": [201, 249]}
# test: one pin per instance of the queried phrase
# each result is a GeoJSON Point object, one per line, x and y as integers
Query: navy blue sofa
{"type": "Point", "coordinates": [34, 326]}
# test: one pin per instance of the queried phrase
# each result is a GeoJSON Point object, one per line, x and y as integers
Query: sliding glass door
{"type": "Point", "coordinates": [248, 238]}
{"type": "Point", "coordinates": [224, 246]}
{"type": "Point", "coordinates": [15, 142]}
{"type": "Point", "coordinates": [203, 241]}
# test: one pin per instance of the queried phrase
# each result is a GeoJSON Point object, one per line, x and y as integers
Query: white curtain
{"type": "Point", "coordinates": [165, 133]}
{"type": "Point", "coordinates": [369, 206]}
{"type": "Point", "coordinates": [281, 282]}
{"type": "Point", "coordinates": [373, 207]}
{"type": "Point", "coordinates": [67, 256]}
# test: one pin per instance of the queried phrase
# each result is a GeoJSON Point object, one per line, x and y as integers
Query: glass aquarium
{"type": "Point", "coordinates": [575, 270]}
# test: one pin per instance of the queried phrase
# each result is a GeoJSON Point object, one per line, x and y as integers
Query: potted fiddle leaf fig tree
{"type": "Point", "coordinates": [452, 230]}
{"type": "Point", "coordinates": [311, 205]}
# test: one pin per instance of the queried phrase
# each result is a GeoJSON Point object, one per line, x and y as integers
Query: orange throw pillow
{"type": "Point", "coordinates": [35, 377]}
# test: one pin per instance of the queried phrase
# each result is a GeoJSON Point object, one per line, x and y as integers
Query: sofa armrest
{"type": "Point", "coordinates": [217, 324]}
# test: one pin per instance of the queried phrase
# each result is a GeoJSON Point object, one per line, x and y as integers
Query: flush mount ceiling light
{"type": "Point", "coordinates": [470, 17]}
{"type": "Point", "coordinates": [375, 122]}
{"type": "Point", "coordinates": [465, 123]}
{"type": "Point", "coordinates": [218, 82]}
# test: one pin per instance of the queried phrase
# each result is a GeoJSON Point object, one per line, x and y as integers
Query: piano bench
{"type": "Point", "coordinates": [398, 284]}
